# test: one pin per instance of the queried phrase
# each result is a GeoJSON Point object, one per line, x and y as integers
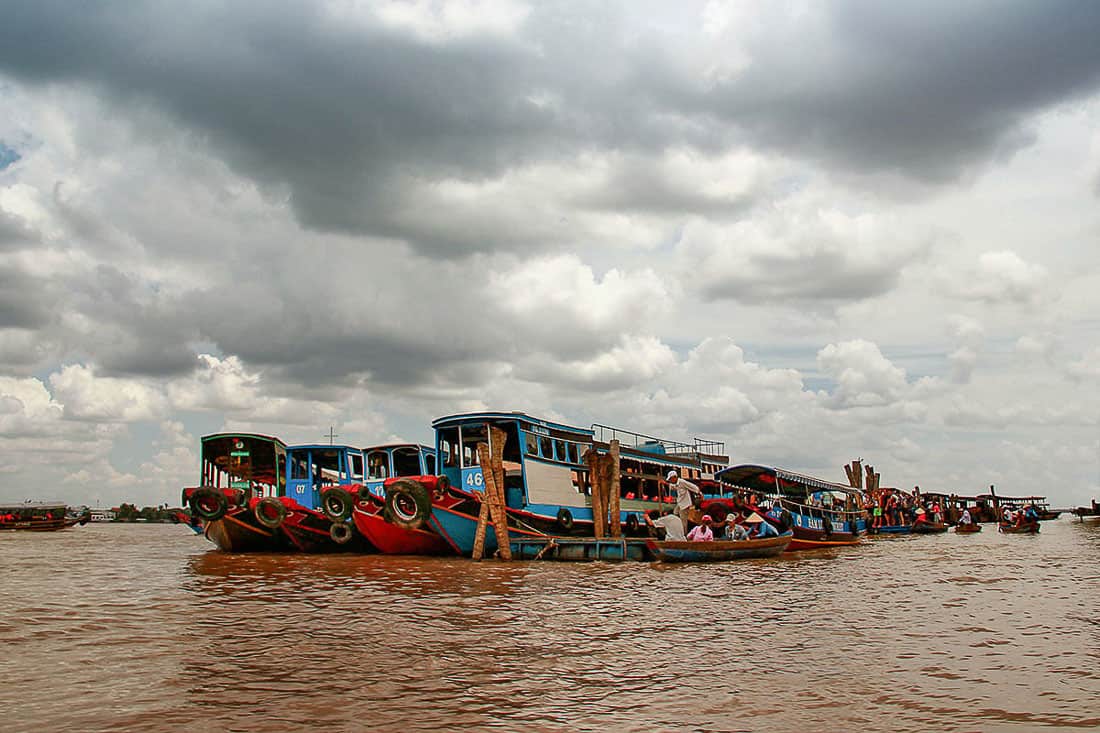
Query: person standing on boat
{"type": "Point", "coordinates": [684, 495]}
{"type": "Point", "coordinates": [702, 532]}
{"type": "Point", "coordinates": [670, 523]}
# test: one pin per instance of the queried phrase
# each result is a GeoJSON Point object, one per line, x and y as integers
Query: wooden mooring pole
{"type": "Point", "coordinates": [493, 504]}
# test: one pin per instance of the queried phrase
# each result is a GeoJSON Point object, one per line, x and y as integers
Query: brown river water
{"type": "Point", "coordinates": [148, 628]}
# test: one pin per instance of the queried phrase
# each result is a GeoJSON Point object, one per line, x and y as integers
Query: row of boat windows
{"type": "Point", "coordinates": [325, 467]}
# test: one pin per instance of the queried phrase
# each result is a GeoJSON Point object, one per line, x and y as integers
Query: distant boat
{"type": "Point", "coordinates": [38, 516]}
{"type": "Point", "coordinates": [968, 528]}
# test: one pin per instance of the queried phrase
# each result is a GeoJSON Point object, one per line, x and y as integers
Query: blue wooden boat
{"type": "Point", "coordinates": [579, 549]}
{"type": "Point", "coordinates": [457, 525]}
{"type": "Point", "coordinates": [719, 550]}
{"type": "Point", "coordinates": [894, 529]}
{"type": "Point", "coordinates": [546, 484]}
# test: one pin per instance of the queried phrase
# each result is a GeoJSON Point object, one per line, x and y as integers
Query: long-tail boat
{"type": "Point", "coordinates": [823, 513]}
{"type": "Point", "coordinates": [39, 516]}
{"type": "Point", "coordinates": [719, 550]}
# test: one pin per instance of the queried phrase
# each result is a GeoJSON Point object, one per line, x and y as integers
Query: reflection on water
{"type": "Point", "coordinates": [145, 627]}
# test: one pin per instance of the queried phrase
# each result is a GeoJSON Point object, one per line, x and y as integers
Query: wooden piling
{"type": "Point", "coordinates": [493, 505]}
{"type": "Point", "coordinates": [595, 481]}
{"type": "Point", "coordinates": [614, 491]}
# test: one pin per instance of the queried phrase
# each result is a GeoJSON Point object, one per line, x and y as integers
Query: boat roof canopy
{"type": "Point", "coordinates": [764, 479]}
{"type": "Point", "coordinates": [244, 436]}
{"type": "Point", "coordinates": [476, 417]}
{"type": "Point", "coordinates": [390, 446]}
{"type": "Point", "coordinates": [324, 446]}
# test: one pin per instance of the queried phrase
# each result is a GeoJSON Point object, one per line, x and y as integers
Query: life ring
{"type": "Point", "coordinates": [408, 504]}
{"type": "Point", "coordinates": [270, 512]}
{"type": "Point", "coordinates": [565, 519]}
{"type": "Point", "coordinates": [340, 532]}
{"type": "Point", "coordinates": [209, 504]}
{"type": "Point", "coordinates": [337, 504]}
{"type": "Point", "coordinates": [632, 523]}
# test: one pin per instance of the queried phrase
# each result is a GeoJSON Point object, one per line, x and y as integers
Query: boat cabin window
{"type": "Point", "coordinates": [448, 447]}
{"type": "Point", "coordinates": [546, 447]}
{"type": "Point", "coordinates": [471, 436]}
{"type": "Point", "coordinates": [429, 464]}
{"type": "Point", "coordinates": [571, 453]}
{"type": "Point", "coordinates": [559, 450]}
{"type": "Point", "coordinates": [406, 461]}
{"type": "Point", "coordinates": [531, 442]}
{"type": "Point", "coordinates": [378, 464]}
{"type": "Point", "coordinates": [328, 469]}
{"type": "Point", "coordinates": [299, 467]}
{"type": "Point", "coordinates": [355, 465]}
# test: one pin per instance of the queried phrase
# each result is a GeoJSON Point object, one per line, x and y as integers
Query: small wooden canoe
{"type": "Point", "coordinates": [719, 550]}
{"type": "Point", "coordinates": [968, 528]}
{"type": "Point", "coordinates": [922, 527]}
{"type": "Point", "coordinates": [1026, 528]}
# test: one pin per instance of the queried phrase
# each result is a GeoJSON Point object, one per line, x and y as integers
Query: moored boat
{"type": "Point", "coordinates": [719, 550]}
{"type": "Point", "coordinates": [39, 516]}
{"type": "Point", "coordinates": [1025, 528]}
{"type": "Point", "coordinates": [968, 528]}
{"type": "Point", "coordinates": [546, 484]}
{"type": "Point", "coordinates": [395, 501]}
{"type": "Point", "coordinates": [892, 529]}
{"type": "Point", "coordinates": [822, 514]}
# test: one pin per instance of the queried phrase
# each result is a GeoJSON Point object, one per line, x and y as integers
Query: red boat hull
{"type": "Point", "coordinates": [393, 540]}
{"type": "Point", "coordinates": [238, 531]}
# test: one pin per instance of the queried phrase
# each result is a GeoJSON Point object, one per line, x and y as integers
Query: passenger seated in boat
{"type": "Point", "coordinates": [1030, 515]}
{"type": "Point", "coordinates": [1008, 517]}
{"type": "Point", "coordinates": [670, 524]}
{"type": "Point", "coordinates": [762, 529]}
{"type": "Point", "coordinates": [734, 529]}
{"type": "Point", "coordinates": [702, 531]}
{"type": "Point", "coordinates": [966, 519]}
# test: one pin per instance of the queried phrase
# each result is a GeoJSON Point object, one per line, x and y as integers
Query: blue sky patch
{"type": "Point", "coordinates": [7, 156]}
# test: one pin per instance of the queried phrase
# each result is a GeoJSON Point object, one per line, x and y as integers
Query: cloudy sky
{"type": "Point", "coordinates": [815, 231]}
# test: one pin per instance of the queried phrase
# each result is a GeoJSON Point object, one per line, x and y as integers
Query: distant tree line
{"type": "Point", "coordinates": [130, 513]}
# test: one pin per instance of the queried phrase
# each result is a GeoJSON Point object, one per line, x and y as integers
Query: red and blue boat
{"type": "Point", "coordinates": [392, 507]}
{"type": "Point", "coordinates": [822, 513]}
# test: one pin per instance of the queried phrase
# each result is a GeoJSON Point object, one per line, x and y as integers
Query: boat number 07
{"type": "Point", "coordinates": [474, 478]}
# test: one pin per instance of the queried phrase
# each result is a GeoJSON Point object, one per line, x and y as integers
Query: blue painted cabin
{"type": "Point", "coordinates": [544, 469]}
{"type": "Point", "coordinates": [394, 460]}
{"type": "Point", "coordinates": [312, 468]}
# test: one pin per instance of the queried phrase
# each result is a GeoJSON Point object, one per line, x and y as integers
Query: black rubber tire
{"type": "Point", "coordinates": [341, 533]}
{"type": "Point", "coordinates": [442, 483]}
{"type": "Point", "coordinates": [565, 519]}
{"type": "Point", "coordinates": [273, 518]}
{"type": "Point", "coordinates": [209, 504]}
{"type": "Point", "coordinates": [632, 523]}
{"type": "Point", "coordinates": [408, 504]}
{"type": "Point", "coordinates": [365, 493]}
{"type": "Point", "coordinates": [337, 503]}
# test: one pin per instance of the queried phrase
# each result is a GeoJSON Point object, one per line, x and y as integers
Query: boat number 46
{"type": "Point", "coordinates": [474, 478]}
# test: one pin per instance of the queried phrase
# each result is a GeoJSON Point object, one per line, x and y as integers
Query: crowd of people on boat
{"type": "Point", "coordinates": [743, 521]}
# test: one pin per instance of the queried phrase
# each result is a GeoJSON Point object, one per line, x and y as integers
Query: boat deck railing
{"type": "Point", "coordinates": [632, 439]}
{"type": "Point", "coordinates": [823, 511]}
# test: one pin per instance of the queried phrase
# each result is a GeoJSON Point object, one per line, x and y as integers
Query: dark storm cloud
{"type": "Point", "coordinates": [923, 89]}
{"type": "Point", "coordinates": [358, 122]}
{"type": "Point", "coordinates": [24, 300]}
